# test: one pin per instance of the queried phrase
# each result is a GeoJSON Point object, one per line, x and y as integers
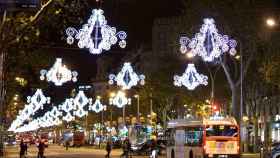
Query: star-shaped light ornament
{"type": "Point", "coordinates": [190, 78]}
{"type": "Point", "coordinates": [58, 74]}
{"type": "Point", "coordinates": [96, 35]}
{"type": "Point", "coordinates": [127, 78]}
{"type": "Point", "coordinates": [208, 43]}
{"type": "Point", "coordinates": [38, 100]}
{"type": "Point", "coordinates": [97, 106]}
{"type": "Point", "coordinates": [120, 100]}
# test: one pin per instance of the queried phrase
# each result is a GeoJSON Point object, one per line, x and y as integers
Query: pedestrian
{"type": "Point", "coordinates": [22, 149]}
{"type": "Point", "coordinates": [25, 149]}
{"type": "Point", "coordinates": [108, 148]}
{"type": "Point", "coordinates": [124, 147]}
{"type": "Point", "coordinates": [67, 143]}
{"type": "Point", "coordinates": [128, 147]}
{"type": "Point", "coordinates": [153, 149]}
{"type": "Point", "coordinates": [41, 149]}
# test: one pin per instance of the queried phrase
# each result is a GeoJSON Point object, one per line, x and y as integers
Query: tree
{"type": "Point", "coordinates": [236, 20]}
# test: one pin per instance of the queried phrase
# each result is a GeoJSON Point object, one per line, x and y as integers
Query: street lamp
{"type": "Point", "coordinates": [189, 55]}
{"type": "Point", "coordinates": [138, 102]}
{"type": "Point", "coordinates": [270, 22]}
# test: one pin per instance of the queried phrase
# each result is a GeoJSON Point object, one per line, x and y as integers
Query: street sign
{"type": "Point", "coordinates": [16, 5]}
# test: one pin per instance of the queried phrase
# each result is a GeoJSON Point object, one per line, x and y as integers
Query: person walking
{"type": "Point", "coordinates": [67, 143]}
{"type": "Point", "coordinates": [23, 149]}
{"type": "Point", "coordinates": [153, 149]}
{"type": "Point", "coordinates": [108, 148]}
{"type": "Point", "coordinates": [41, 149]}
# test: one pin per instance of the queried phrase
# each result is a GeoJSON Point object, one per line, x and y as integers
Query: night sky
{"type": "Point", "coordinates": [133, 16]}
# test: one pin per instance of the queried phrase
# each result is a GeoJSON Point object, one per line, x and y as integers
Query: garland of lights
{"type": "Point", "coordinates": [35, 103]}
{"type": "Point", "coordinates": [120, 100]}
{"type": "Point", "coordinates": [97, 106]}
{"type": "Point", "coordinates": [208, 43]}
{"type": "Point", "coordinates": [126, 78]}
{"type": "Point", "coordinates": [58, 74]}
{"type": "Point", "coordinates": [190, 78]}
{"type": "Point", "coordinates": [96, 35]}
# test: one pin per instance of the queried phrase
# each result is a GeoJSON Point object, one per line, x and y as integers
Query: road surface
{"type": "Point", "coordinates": [55, 151]}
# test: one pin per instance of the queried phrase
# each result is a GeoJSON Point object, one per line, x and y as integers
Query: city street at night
{"type": "Point", "coordinates": [140, 78]}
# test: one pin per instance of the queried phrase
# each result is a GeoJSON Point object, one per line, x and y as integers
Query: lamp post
{"type": "Point", "coordinates": [112, 95]}
{"type": "Point", "coordinates": [138, 104]}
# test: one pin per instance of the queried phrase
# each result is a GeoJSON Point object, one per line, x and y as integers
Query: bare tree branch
{"type": "Point", "coordinates": [3, 21]}
{"type": "Point", "coordinates": [33, 18]}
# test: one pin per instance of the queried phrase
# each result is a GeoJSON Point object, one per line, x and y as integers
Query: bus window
{"type": "Point", "coordinates": [170, 134]}
{"type": "Point", "coordinates": [194, 136]}
{"type": "Point", "coordinates": [221, 130]}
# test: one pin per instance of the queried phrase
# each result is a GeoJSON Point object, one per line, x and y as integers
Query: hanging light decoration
{"type": "Point", "coordinates": [38, 100]}
{"type": "Point", "coordinates": [96, 35]}
{"type": "Point", "coordinates": [68, 117]}
{"type": "Point", "coordinates": [127, 78]}
{"type": "Point", "coordinates": [80, 101]}
{"type": "Point", "coordinates": [97, 106]}
{"type": "Point", "coordinates": [120, 100]}
{"type": "Point", "coordinates": [55, 112]}
{"type": "Point", "coordinates": [208, 43]}
{"type": "Point", "coordinates": [190, 78]}
{"type": "Point", "coordinates": [58, 74]}
{"type": "Point", "coordinates": [67, 106]}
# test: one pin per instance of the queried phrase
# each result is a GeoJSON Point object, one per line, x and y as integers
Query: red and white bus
{"type": "Point", "coordinates": [203, 138]}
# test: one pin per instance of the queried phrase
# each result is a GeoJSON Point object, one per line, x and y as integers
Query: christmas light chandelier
{"type": "Point", "coordinates": [120, 100]}
{"type": "Point", "coordinates": [190, 78]}
{"type": "Point", "coordinates": [68, 117]}
{"type": "Point", "coordinates": [67, 106]}
{"type": "Point", "coordinates": [38, 100]}
{"type": "Point", "coordinates": [58, 74]}
{"type": "Point", "coordinates": [127, 78]}
{"type": "Point", "coordinates": [96, 35]}
{"type": "Point", "coordinates": [208, 43]}
{"type": "Point", "coordinates": [97, 106]}
{"type": "Point", "coordinates": [80, 101]}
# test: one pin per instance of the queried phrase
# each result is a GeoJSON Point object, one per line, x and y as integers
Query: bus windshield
{"type": "Point", "coordinates": [221, 130]}
{"type": "Point", "coordinates": [194, 136]}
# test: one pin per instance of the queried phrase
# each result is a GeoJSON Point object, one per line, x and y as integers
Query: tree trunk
{"type": "Point", "coordinates": [234, 102]}
{"type": "Point", "coordinates": [256, 137]}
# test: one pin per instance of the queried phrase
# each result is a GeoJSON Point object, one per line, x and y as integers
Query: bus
{"type": "Point", "coordinates": [203, 138]}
